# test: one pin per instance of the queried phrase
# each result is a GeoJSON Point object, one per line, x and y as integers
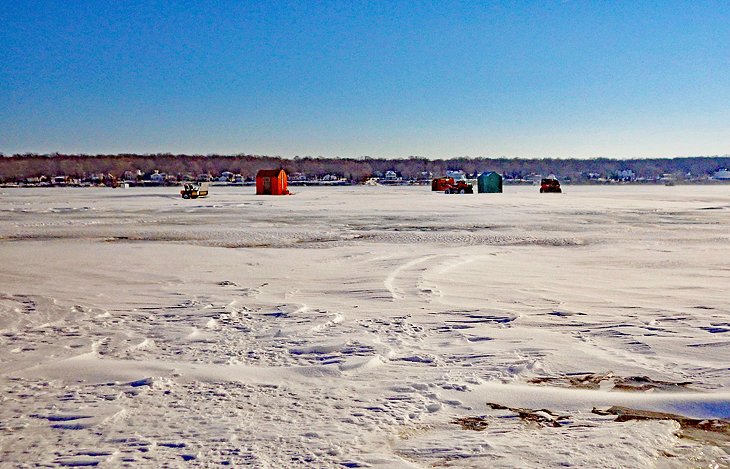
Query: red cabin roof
{"type": "Point", "coordinates": [269, 173]}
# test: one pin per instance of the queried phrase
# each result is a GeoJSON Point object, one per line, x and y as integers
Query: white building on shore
{"type": "Point", "coordinates": [722, 175]}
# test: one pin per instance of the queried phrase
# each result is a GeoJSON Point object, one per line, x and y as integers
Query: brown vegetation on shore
{"type": "Point", "coordinates": [17, 168]}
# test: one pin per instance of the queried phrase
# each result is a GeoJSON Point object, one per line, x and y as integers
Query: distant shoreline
{"type": "Point", "coordinates": [241, 169]}
{"type": "Point", "coordinates": [349, 184]}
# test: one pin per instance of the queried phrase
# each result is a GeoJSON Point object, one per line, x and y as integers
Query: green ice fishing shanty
{"type": "Point", "coordinates": [490, 182]}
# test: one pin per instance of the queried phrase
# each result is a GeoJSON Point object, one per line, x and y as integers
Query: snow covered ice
{"type": "Point", "coordinates": [364, 327]}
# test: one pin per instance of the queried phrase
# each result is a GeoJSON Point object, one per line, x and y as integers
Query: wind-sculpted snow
{"type": "Point", "coordinates": [365, 327]}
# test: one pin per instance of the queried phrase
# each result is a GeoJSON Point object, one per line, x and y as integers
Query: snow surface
{"type": "Point", "coordinates": [350, 327]}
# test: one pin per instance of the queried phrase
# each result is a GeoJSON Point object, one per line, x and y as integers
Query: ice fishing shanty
{"type": "Point", "coordinates": [489, 182]}
{"type": "Point", "coordinates": [441, 184]}
{"type": "Point", "coordinates": [271, 182]}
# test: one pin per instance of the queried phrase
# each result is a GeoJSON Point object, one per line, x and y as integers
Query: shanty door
{"type": "Point", "coordinates": [267, 184]}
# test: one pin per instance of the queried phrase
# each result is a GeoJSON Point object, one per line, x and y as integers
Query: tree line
{"type": "Point", "coordinates": [16, 168]}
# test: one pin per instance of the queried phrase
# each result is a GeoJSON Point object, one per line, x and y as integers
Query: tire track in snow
{"type": "Point", "coordinates": [390, 281]}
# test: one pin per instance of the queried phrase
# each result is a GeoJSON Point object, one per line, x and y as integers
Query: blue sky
{"type": "Point", "coordinates": [385, 79]}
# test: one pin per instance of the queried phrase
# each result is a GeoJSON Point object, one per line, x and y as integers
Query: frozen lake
{"type": "Point", "coordinates": [364, 327]}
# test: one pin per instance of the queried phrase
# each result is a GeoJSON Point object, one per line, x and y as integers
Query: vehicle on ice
{"type": "Point", "coordinates": [193, 190]}
{"type": "Point", "coordinates": [550, 185]}
{"type": "Point", "coordinates": [460, 187]}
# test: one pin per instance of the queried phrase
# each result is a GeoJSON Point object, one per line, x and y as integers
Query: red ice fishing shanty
{"type": "Point", "coordinates": [271, 182]}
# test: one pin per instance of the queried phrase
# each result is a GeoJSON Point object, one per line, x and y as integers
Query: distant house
{"type": "Point", "coordinates": [271, 182]}
{"type": "Point", "coordinates": [132, 175]}
{"type": "Point", "coordinates": [391, 175]}
{"type": "Point", "coordinates": [157, 177]}
{"type": "Point", "coordinates": [722, 175]}
{"type": "Point", "coordinates": [490, 182]}
{"type": "Point", "coordinates": [625, 175]}
{"type": "Point", "coordinates": [457, 175]}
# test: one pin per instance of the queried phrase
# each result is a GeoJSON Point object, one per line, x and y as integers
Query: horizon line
{"type": "Point", "coordinates": [362, 157]}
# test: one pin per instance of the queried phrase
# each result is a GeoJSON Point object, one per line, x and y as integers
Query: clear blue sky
{"type": "Point", "coordinates": [353, 78]}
